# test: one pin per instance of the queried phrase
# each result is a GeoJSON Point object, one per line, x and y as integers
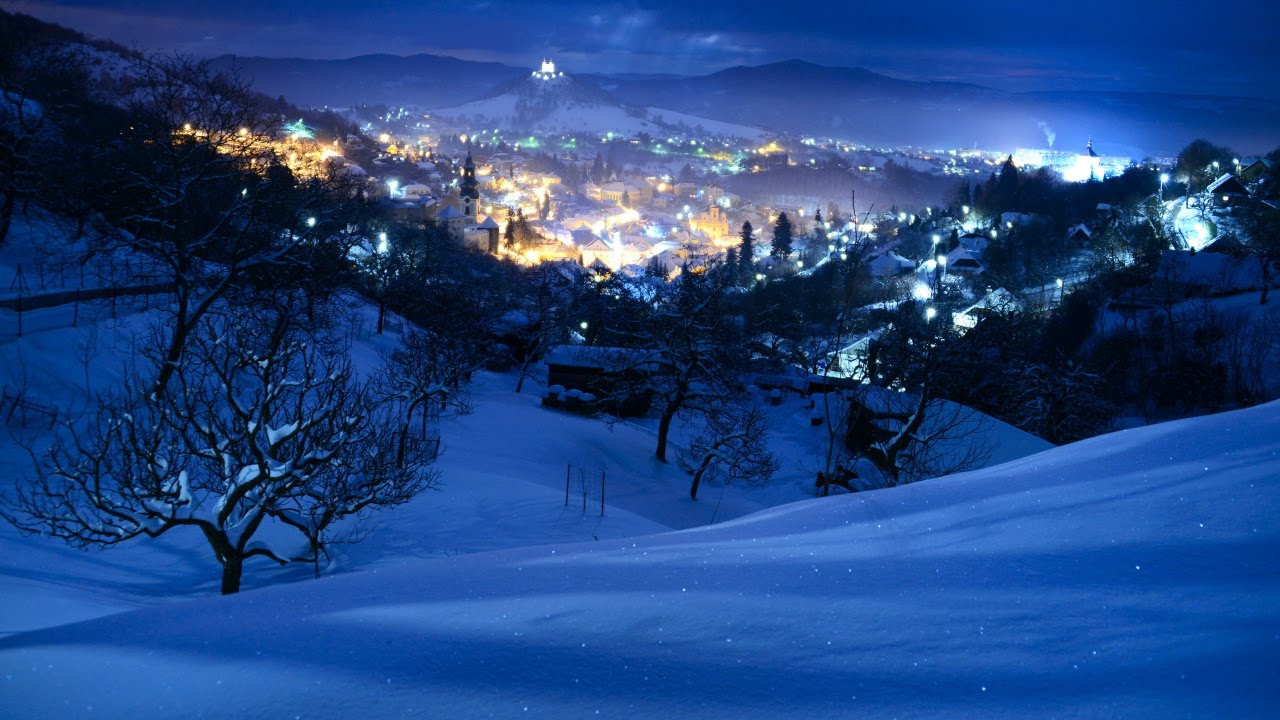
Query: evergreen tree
{"type": "Point", "coordinates": [597, 170]}
{"type": "Point", "coordinates": [781, 237]}
{"type": "Point", "coordinates": [731, 261]}
{"type": "Point", "coordinates": [746, 253]}
{"type": "Point", "coordinates": [1007, 186]}
{"type": "Point", "coordinates": [509, 234]}
{"type": "Point", "coordinates": [626, 199]}
{"type": "Point", "coordinates": [524, 233]}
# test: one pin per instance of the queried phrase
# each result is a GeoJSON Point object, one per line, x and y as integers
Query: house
{"type": "Point", "coordinates": [1079, 235]}
{"type": "Point", "coordinates": [961, 260]}
{"type": "Point", "coordinates": [590, 378]}
{"type": "Point", "coordinates": [994, 302]}
{"type": "Point", "coordinates": [1209, 272]}
{"type": "Point", "coordinates": [454, 221]}
{"type": "Point", "coordinates": [976, 243]}
{"type": "Point", "coordinates": [1253, 170]}
{"type": "Point", "coordinates": [1227, 191]}
{"type": "Point", "coordinates": [890, 264]}
{"type": "Point", "coordinates": [595, 250]}
{"type": "Point", "coordinates": [483, 236]}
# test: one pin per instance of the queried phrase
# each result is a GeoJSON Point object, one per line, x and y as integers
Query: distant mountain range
{"type": "Point", "coordinates": [804, 98]}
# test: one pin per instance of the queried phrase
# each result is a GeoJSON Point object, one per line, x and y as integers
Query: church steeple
{"type": "Point", "coordinates": [470, 190]}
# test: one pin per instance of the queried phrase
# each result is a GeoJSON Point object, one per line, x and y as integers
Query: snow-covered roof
{"type": "Point", "coordinates": [487, 224]}
{"type": "Point", "coordinates": [1227, 184]}
{"type": "Point", "coordinates": [449, 213]}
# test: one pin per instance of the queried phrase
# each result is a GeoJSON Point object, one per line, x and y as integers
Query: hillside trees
{"type": "Point", "coordinates": [1261, 241]}
{"type": "Point", "coordinates": [200, 194]}
{"type": "Point", "coordinates": [40, 86]}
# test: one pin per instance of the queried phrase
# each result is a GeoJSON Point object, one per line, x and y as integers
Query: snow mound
{"type": "Point", "coordinates": [1131, 575]}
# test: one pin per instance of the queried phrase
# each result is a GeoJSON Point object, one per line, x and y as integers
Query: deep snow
{"type": "Point", "coordinates": [1131, 575]}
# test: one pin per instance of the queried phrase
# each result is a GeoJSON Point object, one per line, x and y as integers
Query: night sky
{"type": "Point", "coordinates": [1127, 45]}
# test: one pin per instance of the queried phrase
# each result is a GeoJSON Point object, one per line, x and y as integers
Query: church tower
{"type": "Point", "coordinates": [470, 191]}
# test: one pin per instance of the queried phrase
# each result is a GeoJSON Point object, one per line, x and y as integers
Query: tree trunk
{"type": "Point", "coordinates": [1266, 280]}
{"type": "Point", "coordinates": [524, 372]}
{"type": "Point", "coordinates": [664, 428]}
{"type": "Point", "coordinates": [697, 477]}
{"type": "Point", "coordinates": [6, 215]}
{"type": "Point", "coordinates": [232, 568]}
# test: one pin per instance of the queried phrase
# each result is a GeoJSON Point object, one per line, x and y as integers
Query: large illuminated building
{"type": "Point", "coordinates": [1073, 167]}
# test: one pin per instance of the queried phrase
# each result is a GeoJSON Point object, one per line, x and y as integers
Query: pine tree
{"type": "Point", "coordinates": [597, 170]}
{"type": "Point", "coordinates": [626, 199]}
{"type": "Point", "coordinates": [746, 253]}
{"type": "Point", "coordinates": [781, 237]}
{"type": "Point", "coordinates": [524, 233]}
{"type": "Point", "coordinates": [509, 234]}
{"type": "Point", "coordinates": [731, 261]}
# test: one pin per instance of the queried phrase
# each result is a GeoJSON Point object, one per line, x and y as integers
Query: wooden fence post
{"type": "Point", "coordinates": [568, 473]}
{"type": "Point", "coordinates": [602, 473]}
{"type": "Point", "coordinates": [75, 313]}
{"type": "Point", "coordinates": [19, 315]}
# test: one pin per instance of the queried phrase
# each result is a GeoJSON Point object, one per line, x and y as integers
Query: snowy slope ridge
{"type": "Point", "coordinates": [1131, 575]}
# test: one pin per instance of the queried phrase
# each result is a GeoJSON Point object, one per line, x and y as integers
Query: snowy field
{"type": "Point", "coordinates": [1132, 575]}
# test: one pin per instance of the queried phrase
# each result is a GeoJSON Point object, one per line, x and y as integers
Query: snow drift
{"type": "Point", "coordinates": [1131, 575]}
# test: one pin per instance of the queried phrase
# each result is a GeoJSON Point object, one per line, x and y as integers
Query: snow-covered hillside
{"type": "Point", "coordinates": [1131, 575]}
{"type": "Point", "coordinates": [566, 105]}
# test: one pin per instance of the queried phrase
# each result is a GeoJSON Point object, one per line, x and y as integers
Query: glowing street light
{"type": "Point", "coordinates": [382, 242]}
{"type": "Point", "coordinates": [583, 325]}
{"type": "Point", "coordinates": [930, 313]}
{"type": "Point", "coordinates": [311, 222]}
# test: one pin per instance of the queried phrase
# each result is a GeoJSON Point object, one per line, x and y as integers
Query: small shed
{"type": "Point", "coordinates": [608, 376]}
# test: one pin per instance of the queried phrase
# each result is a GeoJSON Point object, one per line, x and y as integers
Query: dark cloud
{"type": "Point", "coordinates": [1172, 46]}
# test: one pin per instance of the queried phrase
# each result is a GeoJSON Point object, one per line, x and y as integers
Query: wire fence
{"type": "Point", "coordinates": [585, 483]}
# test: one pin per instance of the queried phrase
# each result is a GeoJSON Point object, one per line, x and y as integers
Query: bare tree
{"type": "Point", "coordinates": [542, 324]}
{"type": "Point", "coordinates": [427, 376]}
{"type": "Point", "coordinates": [732, 446]}
{"type": "Point", "coordinates": [259, 427]}
{"type": "Point", "coordinates": [687, 348]}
